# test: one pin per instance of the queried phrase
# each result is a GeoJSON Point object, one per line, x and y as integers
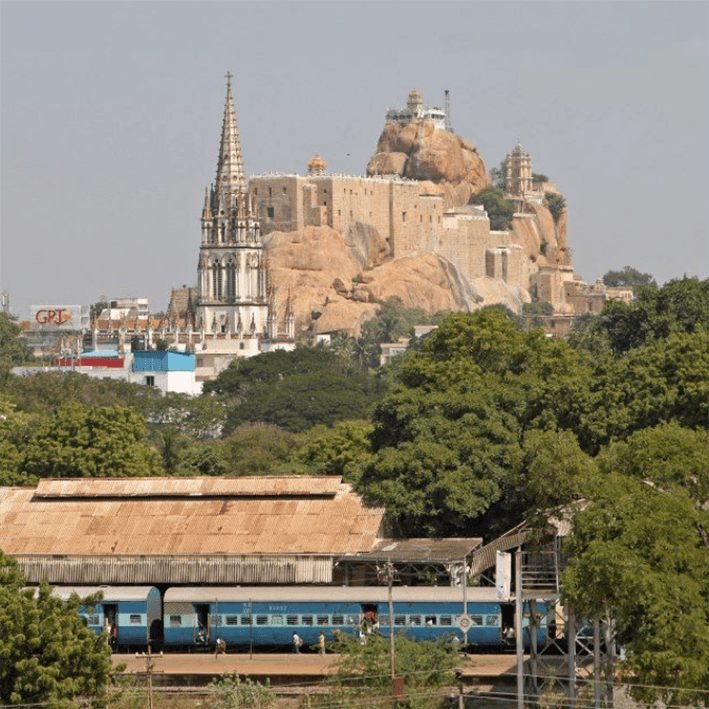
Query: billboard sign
{"type": "Point", "coordinates": [59, 317]}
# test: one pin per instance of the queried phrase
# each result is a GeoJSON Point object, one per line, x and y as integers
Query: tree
{"type": "Point", "coordinates": [556, 204]}
{"type": "Point", "coordinates": [14, 434]}
{"type": "Point", "coordinates": [628, 277]}
{"type": "Point", "coordinates": [48, 656]}
{"type": "Point", "coordinates": [364, 671]}
{"type": "Point", "coordinates": [499, 209]}
{"type": "Point", "coordinates": [664, 381]}
{"type": "Point", "coordinates": [257, 449]}
{"type": "Point", "coordinates": [497, 177]}
{"type": "Point", "coordinates": [447, 440]}
{"type": "Point", "coordinates": [681, 305]}
{"type": "Point", "coordinates": [337, 450]}
{"type": "Point", "coordinates": [638, 556]}
{"type": "Point", "coordinates": [13, 349]}
{"type": "Point", "coordinates": [85, 441]}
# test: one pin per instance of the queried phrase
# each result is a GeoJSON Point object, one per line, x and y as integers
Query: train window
{"type": "Point", "coordinates": [175, 621]}
{"type": "Point", "coordinates": [261, 620]}
{"type": "Point", "coordinates": [338, 620]}
{"type": "Point", "coordinates": [414, 620]}
{"type": "Point", "coordinates": [93, 619]}
{"type": "Point", "coordinates": [322, 620]}
{"type": "Point", "coordinates": [231, 620]}
{"type": "Point", "coordinates": [352, 620]}
{"type": "Point", "coordinates": [246, 620]}
{"type": "Point", "coordinates": [446, 620]}
{"type": "Point", "coordinates": [134, 619]}
{"type": "Point", "coordinates": [476, 620]}
{"type": "Point", "coordinates": [492, 620]}
{"type": "Point", "coordinates": [384, 619]}
{"type": "Point", "coordinates": [431, 620]}
{"type": "Point", "coordinates": [292, 620]}
{"type": "Point", "coordinates": [276, 620]}
{"type": "Point", "coordinates": [307, 619]}
{"type": "Point", "coordinates": [399, 620]}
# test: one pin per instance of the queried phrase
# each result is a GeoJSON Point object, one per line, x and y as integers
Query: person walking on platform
{"type": "Point", "coordinates": [297, 642]}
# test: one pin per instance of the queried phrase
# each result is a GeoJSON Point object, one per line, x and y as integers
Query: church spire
{"type": "Point", "coordinates": [230, 170]}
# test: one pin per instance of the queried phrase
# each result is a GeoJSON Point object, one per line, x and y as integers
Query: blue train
{"type": "Point", "coordinates": [266, 617]}
{"type": "Point", "coordinates": [130, 615]}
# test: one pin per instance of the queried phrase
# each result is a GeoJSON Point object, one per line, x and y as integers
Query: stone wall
{"type": "Point", "coordinates": [387, 218]}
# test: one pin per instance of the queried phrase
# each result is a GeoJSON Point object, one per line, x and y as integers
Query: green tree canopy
{"type": "Point", "coordinates": [640, 556]}
{"type": "Point", "coordinates": [499, 209]}
{"type": "Point", "coordinates": [48, 657]}
{"type": "Point", "coordinates": [91, 441]}
{"type": "Point", "coordinates": [294, 390]}
{"type": "Point", "coordinates": [447, 441]}
{"type": "Point", "coordinates": [556, 204]}
{"type": "Point", "coordinates": [13, 349]}
{"type": "Point", "coordinates": [681, 305]}
{"type": "Point", "coordinates": [364, 671]}
{"type": "Point", "coordinates": [628, 277]}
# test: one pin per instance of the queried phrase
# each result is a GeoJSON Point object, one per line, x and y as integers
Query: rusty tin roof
{"type": "Point", "coordinates": [168, 516]}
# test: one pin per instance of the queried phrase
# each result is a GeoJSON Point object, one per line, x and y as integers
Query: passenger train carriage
{"type": "Point", "coordinates": [268, 616]}
{"type": "Point", "coordinates": [132, 615]}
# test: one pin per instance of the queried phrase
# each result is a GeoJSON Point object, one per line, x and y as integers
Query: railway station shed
{"type": "Point", "coordinates": [199, 531]}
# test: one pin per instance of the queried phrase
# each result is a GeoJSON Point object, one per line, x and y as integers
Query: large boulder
{"type": "Point", "coordinates": [419, 151]}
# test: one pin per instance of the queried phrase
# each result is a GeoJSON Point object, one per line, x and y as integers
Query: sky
{"type": "Point", "coordinates": [110, 118]}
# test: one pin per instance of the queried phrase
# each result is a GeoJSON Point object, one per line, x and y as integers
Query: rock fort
{"type": "Point", "coordinates": [339, 244]}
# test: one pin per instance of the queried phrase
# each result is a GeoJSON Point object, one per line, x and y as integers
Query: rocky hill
{"type": "Point", "coordinates": [337, 280]}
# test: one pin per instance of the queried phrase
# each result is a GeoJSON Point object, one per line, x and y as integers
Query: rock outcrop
{"type": "Point", "coordinates": [419, 151]}
{"type": "Point", "coordinates": [338, 285]}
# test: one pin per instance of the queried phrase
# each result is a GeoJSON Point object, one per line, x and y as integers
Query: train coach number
{"type": "Point", "coordinates": [277, 608]}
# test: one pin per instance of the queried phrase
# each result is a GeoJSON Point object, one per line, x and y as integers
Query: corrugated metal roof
{"type": "Point", "coordinates": [111, 517]}
{"type": "Point", "coordinates": [355, 594]}
{"type": "Point", "coordinates": [264, 486]}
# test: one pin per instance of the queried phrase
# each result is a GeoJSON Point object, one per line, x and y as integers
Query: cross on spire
{"type": "Point", "coordinates": [228, 76]}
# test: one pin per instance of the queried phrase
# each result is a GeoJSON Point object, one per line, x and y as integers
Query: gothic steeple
{"type": "Point", "coordinates": [230, 169]}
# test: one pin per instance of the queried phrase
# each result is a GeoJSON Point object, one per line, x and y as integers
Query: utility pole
{"type": "Point", "coordinates": [149, 667]}
{"type": "Point", "coordinates": [387, 574]}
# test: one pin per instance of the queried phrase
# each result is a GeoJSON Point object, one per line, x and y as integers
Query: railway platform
{"type": "Point", "coordinates": [286, 669]}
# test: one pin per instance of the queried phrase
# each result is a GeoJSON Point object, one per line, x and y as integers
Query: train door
{"type": "Point", "coordinates": [507, 623]}
{"type": "Point", "coordinates": [110, 622]}
{"type": "Point", "coordinates": [202, 623]}
{"type": "Point", "coordinates": [370, 618]}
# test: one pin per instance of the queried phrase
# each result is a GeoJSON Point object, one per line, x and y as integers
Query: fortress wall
{"type": "Point", "coordinates": [411, 222]}
{"type": "Point", "coordinates": [354, 200]}
{"type": "Point", "coordinates": [417, 222]}
{"type": "Point", "coordinates": [279, 200]}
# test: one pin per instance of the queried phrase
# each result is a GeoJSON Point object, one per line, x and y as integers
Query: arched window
{"type": "Point", "coordinates": [230, 278]}
{"type": "Point", "coordinates": [216, 280]}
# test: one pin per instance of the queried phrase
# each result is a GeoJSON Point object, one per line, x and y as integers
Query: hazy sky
{"type": "Point", "coordinates": [111, 116]}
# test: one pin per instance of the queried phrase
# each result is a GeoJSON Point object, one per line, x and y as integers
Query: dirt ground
{"type": "Point", "coordinates": [262, 665]}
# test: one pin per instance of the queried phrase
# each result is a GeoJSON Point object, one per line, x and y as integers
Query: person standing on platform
{"type": "Point", "coordinates": [297, 642]}
{"type": "Point", "coordinates": [321, 643]}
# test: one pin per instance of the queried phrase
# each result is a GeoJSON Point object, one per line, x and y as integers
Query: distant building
{"type": "Point", "coordinates": [415, 111]}
{"type": "Point", "coordinates": [171, 372]}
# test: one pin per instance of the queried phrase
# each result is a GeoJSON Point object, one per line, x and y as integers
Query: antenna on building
{"type": "Point", "coordinates": [447, 104]}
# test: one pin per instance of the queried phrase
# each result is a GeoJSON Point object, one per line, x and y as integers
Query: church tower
{"type": "Point", "coordinates": [231, 279]}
